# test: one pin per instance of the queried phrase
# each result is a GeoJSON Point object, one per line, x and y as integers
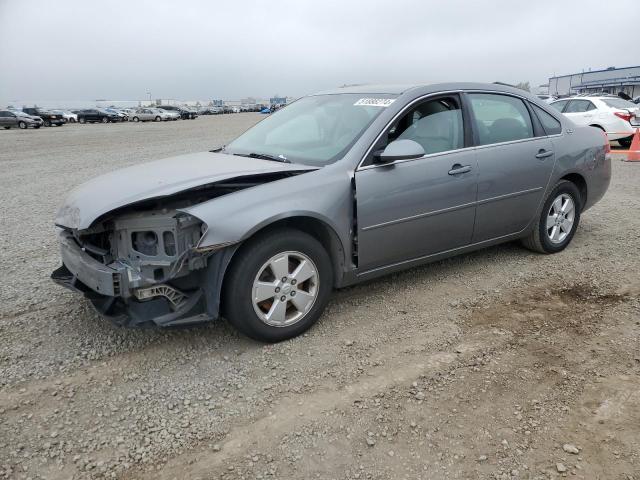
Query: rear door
{"type": "Point", "coordinates": [581, 112]}
{"type": "Point", "coordinates": [515, 160]}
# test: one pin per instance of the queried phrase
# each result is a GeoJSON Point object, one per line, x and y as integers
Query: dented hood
{"type": "Point", "coordinates": [158, 179]}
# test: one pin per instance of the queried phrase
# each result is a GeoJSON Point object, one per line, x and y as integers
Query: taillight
{"type": "Point", "coordinates": [623, 115]}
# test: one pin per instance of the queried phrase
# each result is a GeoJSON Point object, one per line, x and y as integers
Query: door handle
{"type": "Point", "coordinates": [544, 153]}
{"type": "Point", "coordinates": [457, 169]}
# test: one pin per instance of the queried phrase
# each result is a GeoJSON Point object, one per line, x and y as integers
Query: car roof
{"type": "Point", "coordinates": [399, 89]}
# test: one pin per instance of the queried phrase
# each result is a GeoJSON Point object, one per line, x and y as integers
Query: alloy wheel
{"type": "Point", "coordinates": [560, 218]}
{"type": "Point", "coordinates": [285, 289]}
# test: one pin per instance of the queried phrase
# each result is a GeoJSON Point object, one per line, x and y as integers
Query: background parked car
{"type": "Point", "coordinates": [146, 115]}
{"type": "Point", "coordinates": [12, 118]}
{"type": "Point", "coordinates": [49, 118]}
{"type": "Point", "coordinates": [185, 113]}
{"type": "Point", "coordinates": [168, 114]}
{"type": "Point", "coordinates": [69, 117]}
{"type": "Point", "coordinates": [95, 115]}
{"type": "Point", "coordinates": [617, 117]}
{"type": "Point", "coordinates": [546, 98]}
{"type": "Point", "coordinates": [123, 115]}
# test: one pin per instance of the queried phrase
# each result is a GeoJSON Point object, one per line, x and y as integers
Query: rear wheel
{"type": "Point", "coordinates": [558, 220]}
{"type": "Point", "coordinates": [105, 120]}
{"type": "Point", "coordinates": [278, 285]}
{"type": "Point", "coordinates": [22, 125]}
{"type": "Point", "coordinates": [158, 119]}
{"type": "Point", "coordinates": [136, 119]}
{"type": "Point", "coordinates": [7, 128]}
{"type": "Point", "coordinates": [47, 123]}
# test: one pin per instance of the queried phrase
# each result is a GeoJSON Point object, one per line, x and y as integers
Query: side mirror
{"type": "Point", "coordinates": [404, 149]}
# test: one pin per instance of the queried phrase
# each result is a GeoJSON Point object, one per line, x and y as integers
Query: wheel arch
{"type": "Point", "coordinates": [218, 269]}
{"type": "Point", "coordinates": [595, 125]}
{"type": "Point", "coordinates": [580, 182]}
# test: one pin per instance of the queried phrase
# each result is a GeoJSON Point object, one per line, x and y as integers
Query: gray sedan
{"type": "Point", "coordinates": [14, 118]}
{"type": "Point", "coordinates": [335, 188]}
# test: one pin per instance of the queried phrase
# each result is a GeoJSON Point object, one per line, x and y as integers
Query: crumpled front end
{"type": "Point", "coordinates": [139, 268]}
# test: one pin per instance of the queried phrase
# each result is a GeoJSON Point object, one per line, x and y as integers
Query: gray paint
{"type": "Point", "coordinates": [408, 212]}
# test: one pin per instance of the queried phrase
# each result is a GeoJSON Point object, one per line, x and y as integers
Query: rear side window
{"type": "Point", "coordinates": [549, 123]}
{"type": "Point", "coordinates": [500, 118]}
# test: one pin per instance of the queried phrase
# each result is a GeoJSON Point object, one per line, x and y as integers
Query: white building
{"type": "Point", "coordinates": [611, 80]}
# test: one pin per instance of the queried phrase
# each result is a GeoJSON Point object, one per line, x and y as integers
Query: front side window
{"type": "Point", "coordinates": [550, 124]}
{"type": "Point", "coordinates": [559, 105]}
{"type": "Point", "coordinates": [436, 125]}
{"type": "Point", "coordinates": [500, 118]}
{"type": "Point", "coordinates": [314, 130]}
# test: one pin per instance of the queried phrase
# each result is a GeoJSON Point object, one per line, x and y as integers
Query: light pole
{"type": "Point", "coordinates": [149, 93]}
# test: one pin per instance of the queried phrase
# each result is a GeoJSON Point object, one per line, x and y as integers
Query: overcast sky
{"type": "Point", "coordinates": [198, 49]}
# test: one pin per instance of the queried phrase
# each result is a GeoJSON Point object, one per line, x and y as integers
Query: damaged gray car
{"type": "Point", "coordinates": [336, 188]}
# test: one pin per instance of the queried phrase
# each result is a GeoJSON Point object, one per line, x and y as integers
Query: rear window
{"type": "Point", "coordinates": [618, 103]}
{"type": "Point", "coordinates": [559, 105]}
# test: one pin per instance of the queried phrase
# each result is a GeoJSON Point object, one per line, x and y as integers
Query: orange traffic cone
{"type": "Point", "coordinates": [634, 151]}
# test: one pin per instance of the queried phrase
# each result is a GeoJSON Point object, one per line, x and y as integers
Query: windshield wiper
{"type": "Point", "coordinates": [265, 156]}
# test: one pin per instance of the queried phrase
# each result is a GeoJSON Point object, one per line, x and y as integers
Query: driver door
{"type": "Point", "coordinates": [415, 208]}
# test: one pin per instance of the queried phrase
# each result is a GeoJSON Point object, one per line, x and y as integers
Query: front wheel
{"type": "Point", "coordinates": [47, 123]}
{"type": "Point", "coordinates": [136, 119]}
{"type": "Point", "coordinates": [278, 285]}
{"type": "Point", "coordinates": [158, 119]}
{"type": "Point", "coordinates": [82, 120]}
{"type": "Point", "coordinates": [22, 125]}
{"type": "Point", "coordinates": [105, 120]}
{"type": "Point", "coordinates": [558, 220]}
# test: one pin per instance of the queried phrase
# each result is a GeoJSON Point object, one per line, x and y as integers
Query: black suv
{"type": "Point", "coordinates": [94, 115]}
{"type": "Point", "coordinates": [185, 113]}
{"type": "Point", "coordinates": [49, 118]}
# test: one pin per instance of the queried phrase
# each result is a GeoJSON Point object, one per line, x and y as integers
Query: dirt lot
{"type": "Point", "coordinates": [496, 365]}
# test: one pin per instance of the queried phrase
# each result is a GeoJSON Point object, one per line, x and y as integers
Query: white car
{"type": "Point", "coordinates": [618, 118]}
{"type": "Point", "coordinates": [168, 114]}
{"type": "Point", "coordinates": [70, 117]}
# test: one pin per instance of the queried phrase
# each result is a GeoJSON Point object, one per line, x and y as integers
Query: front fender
{"type": "Point", "coordinates": [322, 194]}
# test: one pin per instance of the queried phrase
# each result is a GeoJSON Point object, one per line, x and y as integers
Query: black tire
{"type": "Point", "coordinates": [7, 128]}
{"type": "Point", "coordinates": [158, 119]}
{"type": "Point", "coordinates": [136, 119]}
{"type": "Point", "coordinates": [625, 142]}
{"type": "Point", "coordinates": [36, 126]}
{"type": "Point", "coordinates": [237, 304]}
{"type": "Point", "coordinates": [47, 123]}
{"type": "Point", "coordinates": [82, 120]}
{"type": "Point", "coordinates": [72, 120]}
{"type": "Point", "coordinates": [538, 240]}
{"type": "Point", "coordinates": [22, 125]}
{"type": "Point", "coordinates": [105, 120]}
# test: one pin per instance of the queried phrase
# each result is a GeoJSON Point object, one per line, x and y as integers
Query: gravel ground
{"type": "Point", "coordinates": [501, 364]}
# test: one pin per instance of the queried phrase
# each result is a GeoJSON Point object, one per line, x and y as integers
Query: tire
{"type": "Point", "coordinates": [540, 240]}
{"type": "Point", "coordinates": [625, 142]}
{"type": "Point", "coordinates": [252, 260]}
{"type": "Point", "coordinates": [82, 120]}
{"type": "Point", "coordinates": [47, 123]}
{"type": "Point", "coordinates": [22, 125]}
{"type": "Point", "coordinates": [157, 119]}
{"type": "Point", "coordinates": [136, 119]}
{"type": "Point", "coordinates": [36, 126]}
{"type": "Point", "coordinates": [105, 120]}
{"type": "Point", "coordinates": [7, 128]}
{"type": "Point", "coordinates": [72, 120]}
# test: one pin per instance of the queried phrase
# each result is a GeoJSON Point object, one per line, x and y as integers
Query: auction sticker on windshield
{"type": "Point", "coordinates": [375, 102]}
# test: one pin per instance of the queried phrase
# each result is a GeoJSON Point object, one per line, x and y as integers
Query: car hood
{"type": "Point", "coordinates": [158, 179]}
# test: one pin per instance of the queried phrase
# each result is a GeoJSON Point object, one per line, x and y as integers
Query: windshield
{"type": "Point", "coordinates": [314, 130]}
{"type": "Point", "coordinates": [618, 103]}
